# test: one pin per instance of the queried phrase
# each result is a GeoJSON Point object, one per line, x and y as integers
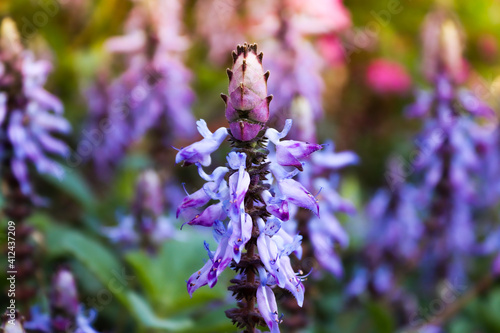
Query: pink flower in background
{"type": "Point", "coordinates": [319, 16]}
{"type": "Point", "coordinates": [331, 49]}
{"type": "Point", "coordinates": [387, 77]}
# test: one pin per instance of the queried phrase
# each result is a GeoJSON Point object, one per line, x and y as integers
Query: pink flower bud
{"type": "Point", "coordinates": [64, 296]}
{"type": "Point", "coordinates": [443, 42]}
{"type": "Point", "coordinates": [247, 106]}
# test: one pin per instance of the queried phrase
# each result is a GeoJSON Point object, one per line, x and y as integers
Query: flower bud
{"type": "Point", "coordinates": [64, 296]}
{"type": "Point", "coordinates": [10, 41]}
{"type": "Point", "coordinates": [443, 44]}
{"type": "Point", "coordinates": [247, 106]}
{"type": "Point", "coordinates": [149, 196]}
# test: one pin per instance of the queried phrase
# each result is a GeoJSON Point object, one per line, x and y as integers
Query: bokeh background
{"type": "Point", "coordinates": [371, 65]}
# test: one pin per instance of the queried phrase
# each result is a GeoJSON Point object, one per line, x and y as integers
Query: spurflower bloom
{"type": "Point", "coordinates": [146, 226]}
{"type": "Point", "coordinates": [66, 313]}
{"type": "Point", "coordinates": [247, 201]}
{"type": "Point", "coordinates": [153, 94]}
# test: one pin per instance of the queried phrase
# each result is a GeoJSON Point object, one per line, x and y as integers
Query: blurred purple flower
{"type": "Point", "coordinates": [146, 226]}
{"type": "Point", "coordinates": [153, 93]}
{"type": "Point", "coordinates": [66, 313]}
{"type": "Point", "coordinates": [30, 117]}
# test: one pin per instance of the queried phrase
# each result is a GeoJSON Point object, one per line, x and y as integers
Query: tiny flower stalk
{"type": "Point", "coordinates": [146, 226]}
{"type": "Point", "coordinates": [66, 313]}
{"type": "Point", "coordinates": [29, 117]}
{"type": "Point", "coordinates": [63, 301]}
{"type": "Point", "coordinates": [247, 201]}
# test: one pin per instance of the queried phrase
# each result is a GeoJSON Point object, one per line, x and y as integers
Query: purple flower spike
{"type": "Point", "coordinates": [146, 225]}
{"type": "Point", "coordinates": [247, 107]}
{"type": "Point", "coordinates": [200, 151]}
{"type": "Point", "coordinates": [268, 308]}
{"type": "Point", "coordinates": [30, 117]}
{"type": "Point", "coordinates": [248, 219]}
{"type": "Point", "coordinates": [496, 266]}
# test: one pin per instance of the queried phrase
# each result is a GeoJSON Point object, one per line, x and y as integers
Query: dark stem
{"type": "Point", "coordinates": [245, 287]}
{"type": "Point", "coordinates": [481, 287]}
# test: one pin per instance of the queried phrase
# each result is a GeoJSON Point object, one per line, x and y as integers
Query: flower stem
{"type": "Point", "coordinates": [245, 287]}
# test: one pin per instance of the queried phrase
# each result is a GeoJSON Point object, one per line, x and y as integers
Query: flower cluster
{"type": "Point", "coordinates": [392, 239]}
{"type": "Point", "coordinates": [321, 175]}
{"type": "Point", "coordinates": [450, 168]}
{"type": "Point", "coordinates": [146, 225]}
{"type": "Point", "coordinates": [66, 313]}
{"type": "Point", "coordinates": [247, 201]}
{"type": "Point", "coordinates": [30, 117]}
{"type": "Point", "coordinates": [153, 93]}
{"type": "Point", "coordinates": [433, 224]}
{"type": "Point", "coordinates": [295, 61]}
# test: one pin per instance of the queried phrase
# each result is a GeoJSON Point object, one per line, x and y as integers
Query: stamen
{"type": "Point", "coordinates": [184, 187]}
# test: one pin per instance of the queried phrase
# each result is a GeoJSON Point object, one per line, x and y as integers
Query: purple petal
{"type": "Point", "coordinates": [421, 106]}
{"type": "Point", "coordinates": [209, 216]}
{"type": "Point", "coordinates": [199, 152]}
{"type": "Point", "coordinates": [196, 199]}
{"type": "Point", "coordinates": [222, 257]}
{"type": "Point", "coordinates": [276, 206]}
{"type": "Point", "coordinates": [273, 225]}
{"type": "Point", "coordinates": [266, 302]}
{"type": "Point", "coordinates": [474, 105]}
{"type": "Point", "coordinates": [293, 283]}
{"type": "Point", "coordinates": [242, 232]}
{"type": "Point", "coordinates": [268, 251]}
{"type": "Point", "coordinates": [199, 278]}
{"type": "Point", "coordinates": [298, 195]}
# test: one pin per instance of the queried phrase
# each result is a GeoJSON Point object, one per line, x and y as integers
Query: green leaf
{"type": "Point", "coordinates": [166, 273]}
{"type": "Point", "coordinates": [142, 311]}
{"type": "Point", "coordinates": [73, 184]}
{"type": "Point", "coordinates": [106, 267]}
{"type": "Point", "coordinates": [382, 320]}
